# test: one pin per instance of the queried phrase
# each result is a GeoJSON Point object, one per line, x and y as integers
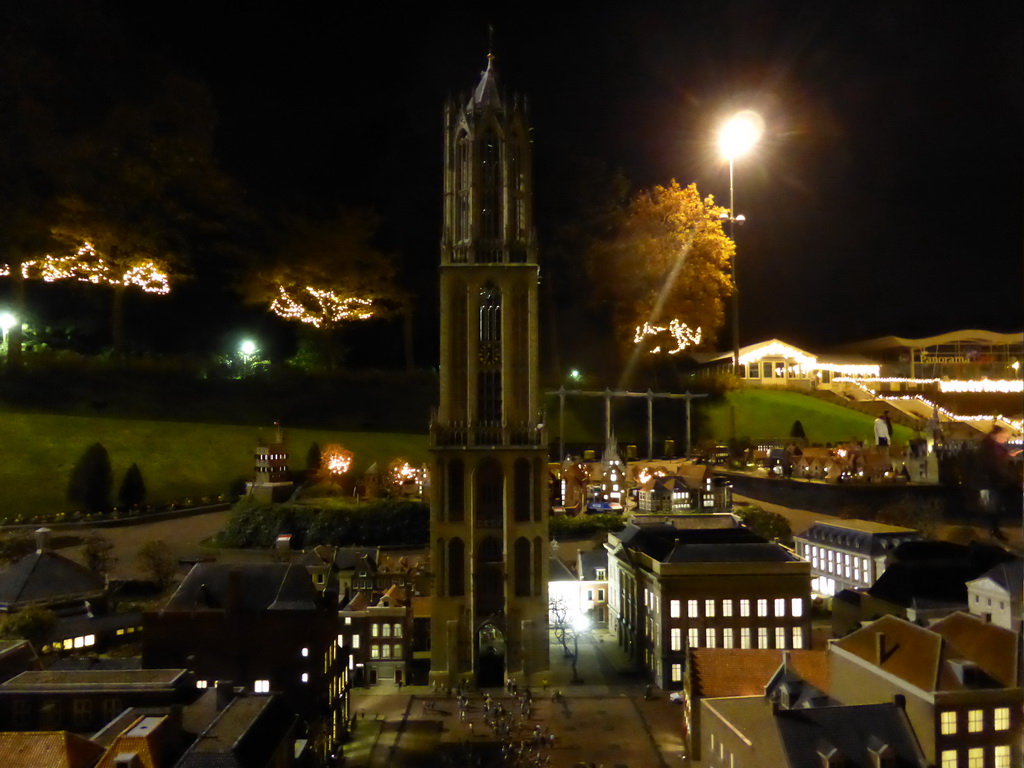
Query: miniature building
{"type": "Point", "coordinates": [704, 582]}
{"type": "Point", "coordinates": [711, 673]}
{"type": "Point", "coordinates": [263, 626]}
{"type": "Point", "coordinates": [997, 594]}
{"type": "Point", "coordinates": [960, 679]}
{"type": "Point", "coordinates": [49, 580]}
{"type": "Point", "coordinates": [489, 506]}
{"type": "Point", "coordinates": [270, 471]}
{"type": "Point", "coordinates": [849, 554]}
{"type": "Point", "coordinates": [249, 731]}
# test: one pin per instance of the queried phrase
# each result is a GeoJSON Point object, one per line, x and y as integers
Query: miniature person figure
{"type": "Point", "coordinates": [883, 429]}
{"type": "Point", "coordinates": [998, 484]}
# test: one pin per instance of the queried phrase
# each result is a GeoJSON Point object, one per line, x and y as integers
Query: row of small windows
{"type": "Point", "coordinates": [386, 651]}
{"type": "Point", "coordinates": [948, 720]}
{"type": "Point", "coordinates": [385, 630]}
{"type": "Point", "coordinates": [949, 758]}
{"type": "Point", "coordinates": [726, 637]}
{"type": "Point", "coordinates": [711, 607]}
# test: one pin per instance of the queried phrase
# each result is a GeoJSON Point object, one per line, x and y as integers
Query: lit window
{"type": "Point", "coordinates": [744, 607]}
{"type": "Point", "coordinates": [709, 637]}
{"type": "Point", "coordinates": [780, 637]}
{"type": "Point", "coordinates": [975, 720]}
{"type": "Point", "coordinates": [90, 640]}
{"type": "Point", "coordinates": [780, 606]}
{"type": "Point", "coordinates": [385, 651]}
{"type": "Point", "coordinates": [348, 620]}
{"type": "Point", "coordinates": [386, 630]}
{"type": "Point", "coordinates": [398, 651]}
{"type": "Point", "coordinates": [201, 684]}
{"type": "Point", "coordinates": [1001, 718]}
{"type": "Point", "coordinates": [744, 637]}
{"type": "Point", "coordinates": [674, 609]}
{"type": "Point", "coordinates": [976, 757]}
{"type": "Point", "coordinates": [676, 639]}
{"type": "Point", "coordinates": [762, 607]}
{"type": "Point", "coordinates": [677, 673]}
{"type": "Point", "coordinates": [691, 608]}
{"type": "Point", "coordinates": [796, 606]}
{"type": "Point", "coordinates": [727, 637]}
{"type": "Point", "coordinates": [374, 651]}
{"type": "Point", "coordinates": [355, 642]}
{"type": "Point", "coordinates": [341, 641]}
{"type": "Point", "coordinates": [709, 608]}
{"type": "Point", "coordinates": [79, 642]}
{"type": "Point", "coordinates": [69, 644]}
{"type": "Point", "coordinates": [397, 631]}
{"type": "Point", "coordinates": [374, 630]}
{"type": "Point", "coordinates": [261, 686]}
{"type": "Point", "coordinates": [947, 723]}
{"type": "Point", "coordinates": [762, 637]}
{"type": "Point", "coordinates": [949, 758]}
{"type": "Point", "coordinates": [693, 637]}
{"type": "Point", "coordinates": [727, 608]}
{"type": "Point", "coordinates": [305, 677]}
{"type": "Point", "coordinates": [305, 652]}
{"type": "Point", "coordinates": [1002, 756]}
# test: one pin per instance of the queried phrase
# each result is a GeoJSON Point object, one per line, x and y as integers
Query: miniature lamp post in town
{"type": "Point", "coordinates": [735, 139]}
{"type": "Point", "coordinates": [7, 321]}
{"type": "Point", "coordinates": [247, 350]}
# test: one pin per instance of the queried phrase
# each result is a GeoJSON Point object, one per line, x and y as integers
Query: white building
{"type": "Point", "coordinates": [996, 596]}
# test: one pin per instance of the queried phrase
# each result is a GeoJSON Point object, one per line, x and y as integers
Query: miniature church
{"type": "Point", "coordinates": [488, 510]}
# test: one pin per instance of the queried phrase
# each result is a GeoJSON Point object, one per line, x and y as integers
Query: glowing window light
{"type": "Point", "coordinates": [805, 362]}
{"type": "Point", "coordinates": [319, 307]}
{"type": "Point", "coordinates": [681, 333]}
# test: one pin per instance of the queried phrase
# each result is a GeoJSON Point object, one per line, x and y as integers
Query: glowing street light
{"type": "Point", "coordinates": [735, 139]}
{"type": "Point", "coordinates": [7, 321]}
{"type": "Point", "coordinates": [247, 348]}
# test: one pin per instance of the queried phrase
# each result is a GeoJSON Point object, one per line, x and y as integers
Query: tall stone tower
{"type": "Point", "coordinates": [489, 511]}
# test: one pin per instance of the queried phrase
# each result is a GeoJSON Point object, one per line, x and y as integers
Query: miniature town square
{"type": "Point", "coordinates": [768, 553]}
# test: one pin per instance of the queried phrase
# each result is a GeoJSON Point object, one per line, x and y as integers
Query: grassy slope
{"type": "Point", "coordinates": [769, 414]}
{"type": "Point", "coordinates": [177, 459]}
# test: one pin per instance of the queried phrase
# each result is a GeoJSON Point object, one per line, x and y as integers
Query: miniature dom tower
{"type": "Point", "coordinates": [488, 512]}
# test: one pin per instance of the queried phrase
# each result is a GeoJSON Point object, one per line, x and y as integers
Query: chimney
{"type": "Point", "coordinates": [42, 540]}
{"type": "Point", "coordinates": [234, 601]}
{"type": "Point", "coordinates": [900, 701]}
{"type": "Point", "coordinates": [127, 760]}
{"type": "Point", "coordinates": [283, 544]}
{"type": "Point", "coordinates": [880, 649]}
{"type": "Point", "coordinates": [225, 693]}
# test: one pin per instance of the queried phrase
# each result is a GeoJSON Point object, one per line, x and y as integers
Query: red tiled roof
{"type": "Point", "coordinates": [719, 672]}
{"type": "Point", "coordinates": [991, 647]}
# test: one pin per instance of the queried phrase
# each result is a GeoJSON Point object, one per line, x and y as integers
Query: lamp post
{"type": "Point", "coordinates": [247, 349]}
{"type": "Point", "coordinates": [7, 321]}
{"type": "Point", "coordinates": [735, 139]}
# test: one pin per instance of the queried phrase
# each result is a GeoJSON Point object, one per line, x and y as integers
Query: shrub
{"type": "Point", "coordinates": [92, 479]}
{"type": "Point", "coordinates": [133, 489]}
{"type": "Point", "coordinates": [769, 525]}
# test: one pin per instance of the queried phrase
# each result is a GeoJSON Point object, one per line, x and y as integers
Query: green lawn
{"type": "Point", "coordinates": [769, 414]}
{"type": "Point", "coordinates": [177, 459]}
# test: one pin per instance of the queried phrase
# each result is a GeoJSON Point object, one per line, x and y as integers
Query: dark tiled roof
{"type": "Point", "coordinates": [752, 552]}
{"type": "Point", "coordinates": [47, 576]}
{"type": "Point", "coordinates": [74, 680]}
{"type": "Point", "coordinates": [1009, 576]}
{"type": "Point", "coordinates": [591, 561]}
{"type": "Point", "coordinates": [852, 730]}
{"type": "Point", "coordinates": [261, 587]}
{"type": "Point", "coordinates": [666, 543]}
{"type": "Point", "coordinates": [559, 571]}
{"type": "Point", "coordinates": [347, 558]}
{"type": "Point", "coordinates": [930, 573]}
{"type": "Point", "coordinates": [245, 733]}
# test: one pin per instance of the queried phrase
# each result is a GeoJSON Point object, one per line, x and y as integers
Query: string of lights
{"type": "Point", "coordinates": [319, 307]}
{"type": "Point", "coordinates": [88, 266]}
{"type": "Point", "coordinates": [683, 335]}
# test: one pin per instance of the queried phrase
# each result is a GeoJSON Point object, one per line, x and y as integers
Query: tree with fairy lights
{"type": "Point", "coordinates": [328, 274]}
{"type": "Point", "coordinates": [335, 461]}
{"type": "Point", "coordinates": [663, 269]}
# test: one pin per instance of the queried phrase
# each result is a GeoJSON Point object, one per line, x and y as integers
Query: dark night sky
{"type": "Point", "coordinates": [886, 197]}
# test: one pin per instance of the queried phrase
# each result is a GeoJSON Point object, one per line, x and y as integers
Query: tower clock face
{"type": "Point", "coordinates": [490, 353]}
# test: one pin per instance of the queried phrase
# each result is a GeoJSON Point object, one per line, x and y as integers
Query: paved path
{"type": "Point", "coordinates": [605, 721]}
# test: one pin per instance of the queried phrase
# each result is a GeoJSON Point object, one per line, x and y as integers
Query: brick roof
{"type": "Point", "coordinates": [47, 749]}
{"type": "Point", "coordinates": [718, 672]}
{"type": "Point", "coordinates": [932, 659]}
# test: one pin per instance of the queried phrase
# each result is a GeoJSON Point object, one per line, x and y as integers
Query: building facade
{"type": "Point", "coordinates": [673, 588]}
{"type": "Point", "coordinates": [489, 510]}
{"type": "Point", "coordinates": [849, 554]}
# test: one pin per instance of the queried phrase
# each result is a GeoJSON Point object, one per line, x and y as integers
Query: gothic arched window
{"type": "Point", "coordinates": [462, 188]}
{"type": "Point", "coordinates": [490, 490]}
{"type": "Point", "coordinates": [456, 568]}
{"type": "Point", "coordinates": [490, 195]}
{"type": "Point", "coordinates": [489, 347]}
{"type": "Point", "coordinates": [522, 560]}
{"type": "Point", "coordinates": [456, 491]}
{"type": "Point", "coordinates": [522, 497]}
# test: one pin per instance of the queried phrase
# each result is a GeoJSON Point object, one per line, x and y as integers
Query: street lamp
{"type": "Point", "coordinates": [7, 321]}
{"type": "Point", "coordinates": [735, 139]}
{"type": "Point", "coordinates": [247, 349]}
